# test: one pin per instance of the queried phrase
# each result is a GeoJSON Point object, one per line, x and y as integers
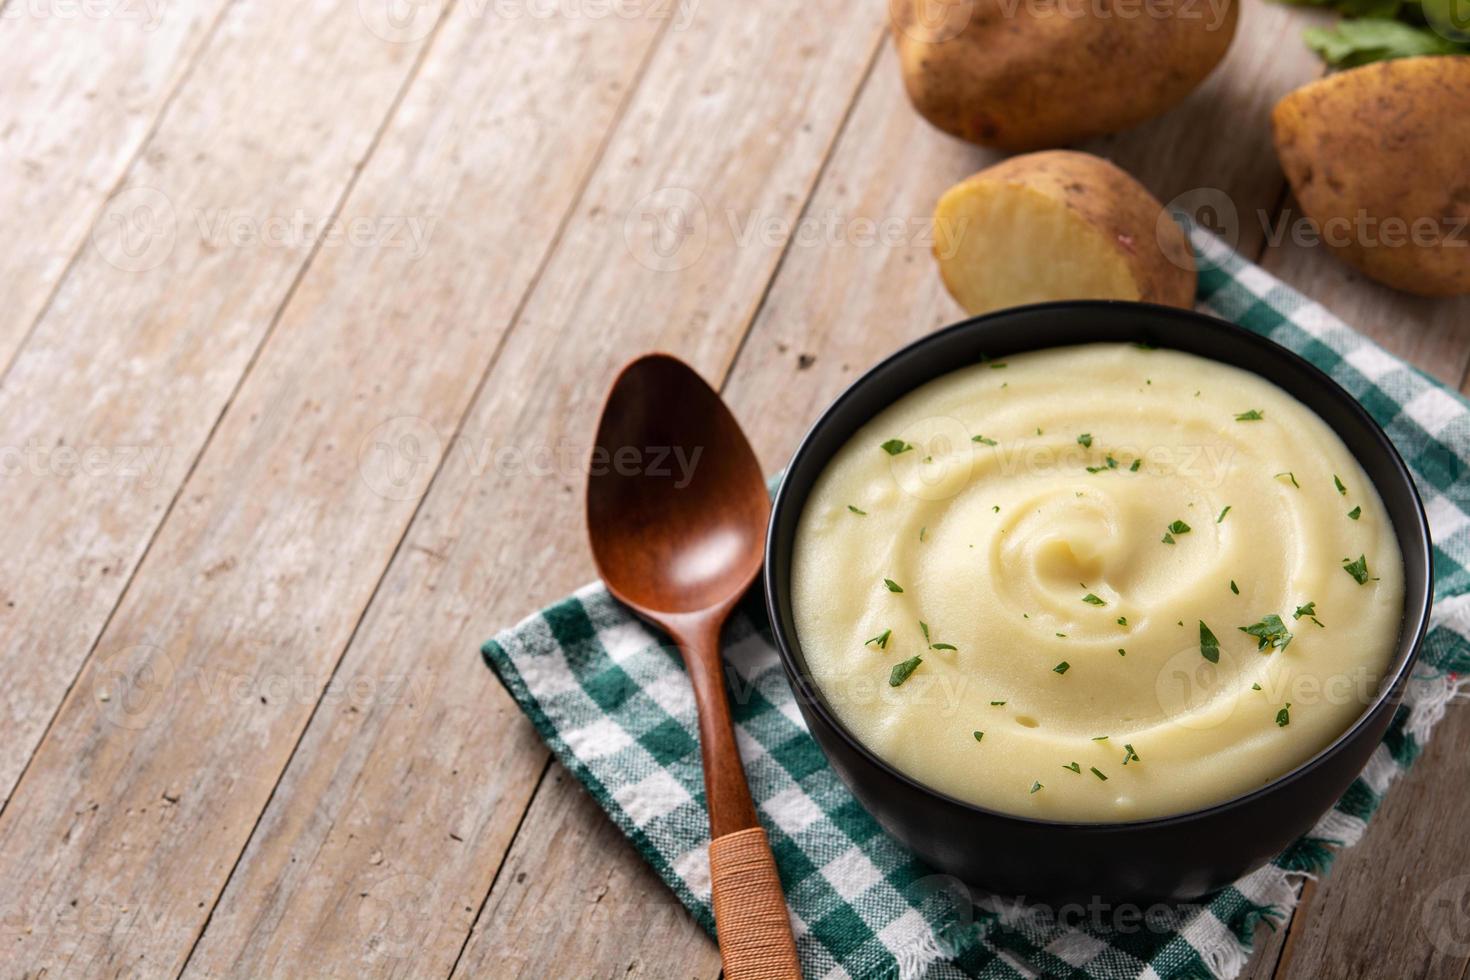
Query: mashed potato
{"type": "Point", "coordinates": [1096, 583]}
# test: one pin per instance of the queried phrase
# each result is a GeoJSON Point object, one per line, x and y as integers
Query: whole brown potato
{"type": "Point", "coordinates": [1379, 160]}
{"type": "Point", "coordinates": [1031, 74]}
{"type": "Point", "coordinates": [1058, 225]}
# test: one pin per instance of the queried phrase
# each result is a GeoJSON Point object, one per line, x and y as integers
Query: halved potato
{"type": "Point", "coordinates": [1058, 225]}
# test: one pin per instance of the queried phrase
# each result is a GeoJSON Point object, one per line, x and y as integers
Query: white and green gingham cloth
{"type": "Point", "coordinates": [610, 697]}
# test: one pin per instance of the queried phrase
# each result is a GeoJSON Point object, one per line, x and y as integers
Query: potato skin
{"type": "Point", "coordinates": [1126, 217]}
{"type": "Point", "coordinates": [1032, 74]}
{"type": "Point", "coordinates": [1390, 140]}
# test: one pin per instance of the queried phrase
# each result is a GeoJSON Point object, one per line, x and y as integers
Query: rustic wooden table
{"type": "Point", "coordinates": [267, 489]}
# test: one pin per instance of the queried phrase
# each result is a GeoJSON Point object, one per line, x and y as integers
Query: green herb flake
{"type": "Point", "coordinates": [1098, 773]}
{"type": "Point", "coordinates": [924, 628]}
{"type": "Point", "coordinates": [1234, 588]}
{"type": "Point", "coordinates": [978, 735]}
{"type": "Point", "coordinates": [943, 646]}
{"type": "Point", "coordinates": [1062, 635]}
{"type": "Point", "coordinates": [1269, 632]}
{"type": "Point", "coordinates": [1093, 600]}
{"type": "Point", "coordinates": [1209, 646]}
{"type": "Point", "coordinates": [1255, 687]}
{"type": "Point", "coordinates": [895, 446]}
{"type": "Point", "coordinates": [1122, 620]}
{"type": "Point", "coordinates": [1061, 668]}
{"type": "Point", "coordinates": [1167, 538]}
{"type": "Point", "coordinates": [1222, 514]}
{"type": "Point", "coordinates": [1283, 717]}
{"type": "Point", "coordinates": [995, 509]}
{"type": "Point", "coordinates": [1179, 527]}
{"type": "Point", "coordinates": [892, 585]}
{"type": "Point", "coordinates": [1355, 513]}
{"type": "Point", "coordinates": [860, 513]}
{"type": "Point", "coordinates": [1310, 609]}
{"type": "Point", "coordinates": [984, 441]}
{"type": "Point", "coordinates": [1112, 463]}
{"type": "Point", "coordinates": [902, 671]}
{"type": "Point", "coordinates": [996, 704]}
{"type": "Point", "coordinates": [1338, 483]}
{"type": "Point", "coordinates": [1129, 754]}
{"type": "Point", "coordinates": [880, 641]}
{"type": "Point", "coordinates": [1099, 738]}
{"type": "Point", "coordinates": [921, 533]}
{"type": "Point", "coordinates": [1085, 440]}
{"type": "Point", "coordinates": [1136, 464]}
{"type": "Point", "coordinates": [1290, 476]}
{"type": "Point", "coordinates": [1073, 766]}
{"type": "Point", "coordinates": [1036, 786]}
{"type": "Point", "coordinates": [1357, 569]}
{"type": "Point", "coordinates": [1254, 415]}
{"type": "Point", "coordinates": [1122, 652]}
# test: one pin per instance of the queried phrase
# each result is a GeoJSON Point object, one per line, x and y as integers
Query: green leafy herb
{"type": "Point", "coordinates": [924, 627]}
{"type": "Point", "coordinates": [1254, 415]}
{"type": "Point", "coordinates": [892, 585]}
{"type": "Point", "coordinates": [1098, 773]}
{"type": "Point", "coordinates": [1061, 668]}
{"type": "Point", "coordinates": [1283, 717]}
{"type": "Point", "coordinates": [895, 446]}
{"type": "Point", "coordinates": [1136, 464]}
{"type": "Point", "coordinates": [1269, 632]}
{"type": "Point", "coordinates": [1035, 787]}
{"type": "Point", "coordinates": [881, 640]}
{"type": "Point", "coordinates": [1073, 766]}
{"type": "Point", "coordinates": [1234, 588]}
{"type": "Point", "coordinates": [1122, 652]}
{"type": "Point", "coordinates": [1290, 476]}
{"type": "Point", "coordinates": [1122, 620]}
{"type": "Point", "coordinates": [1357, 569]}
{"type": "Point", "coordinates": [1222, 514]}
{"type": "Point", "coordinates": [1179, 527]}
{"type": "Point", "coordinates": [942, 646]}
{"type": "Point", "coordinates": [1338, 483]}
{"type": "Point", "coordinates": [995, 509]}
{"type": "Point", "coordinates": [984, 441]}
{"type": "Point", "coordinates": [1062, 635]}
{"type": "Point", "coordinates": [1351, 43]}
{"type": "Point", "coordinates": [996, 704]}
{"type": "Point", "coordinates": [1085, 439]}
{"type": "Point", "coordinates": [1093, 600]}
{"type": "Point", "coordinates": [1209, 646]}
{"type": "Point", "coordinates": [921, 533]}
{"type": "Point", "coordinates": [860, 513]}
{"type": "Point", "coordinates": [1099, 738]}
{"type": "Point", "coordinates": [1255, 687]}
{"type": "Point", "coordinates": [1167, 538]}
{"type": "Point", "coordinates": [1310, 609]}
{"type": "Point", "coordinates": [978, 735]}
{"type": "Point", "coordinates": [1130, 754]}
{"type": "Point", "coordinates": [1355, 513]}
{"type": "Point", "coordinates": [902, 671]}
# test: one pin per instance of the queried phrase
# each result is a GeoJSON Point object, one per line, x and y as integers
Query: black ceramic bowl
{"type": "Point", "coordinates": [1169, 858]}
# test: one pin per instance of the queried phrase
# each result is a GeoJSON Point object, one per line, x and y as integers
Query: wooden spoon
{"type": "Point", "coordinates": [677, 511]}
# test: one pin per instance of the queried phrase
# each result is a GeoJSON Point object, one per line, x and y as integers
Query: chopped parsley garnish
{"type": "Point", "coordinates": [924, 627]}
{"type": "Point", "coordinates": [978, 735]}
{"type": "Point", "coordinates": [1136, 464]}
{"type": "Point", "coordinates": [1085, 439]}
{"type": "Point", "coordinates": [1355, 513]}
{"type": "Point", "coordinates": [995, 508]}
{"type": "Point", "coordinates": [1290, 476]}
{"type": "Point", "coordinates": [1222, 514]}
{"type": "Point", "coordinates": [1254, 415]}
{"type": "Point", "coordinates": [1179, 527]}
{"type": "Point", "coordinates": [943, 646]}
{"type": "Point", "coordinates": [881, 640]}
{"type": "Point", "coordinates": [1099, 738]}
{"type": "Point", "coordinates": [1340, 488]}
{"type": "Point", "coordinates": [1093, 600]}
{"type": "Point", "coordinates": [1122, 652]}
{"type": "Point", "coordinates": [1269, 632]}
{"type": "Point", "coordinates": [921, 533]}
{"type": "Point", "coordinates": [1310, 609]}
{"type": "Point", "coordinates": [1209, 646]}
{"type": "Point", "coordinates": [1357, 569]}
{"type": "Point", "coordinates": [984, 441]}
{"type": "Point", "coordinates": [1283, 717]}
{"type": "Point", "coordinates": [892, 585]}
{"type": "Point", "coordinates": [895, 446]}
{"type": "Point", "coordinates": [1062, 635]}
{"type": "Point", "coordinates": [1130, 754]}
{"type": "Point", "coordinates": [1073, 766]}
{"type": "Point", "coordinates": [995, 704]}
{"type": "Point", "coordinates": [1098, 773]}
{"type": "Point", "coordinates": [1167, 538]}
{"type": "Point", "coordinates": [1122, 620]}
{"type": "Point", "coordinates": [1061, 668]}
{"type": "Point", "coordinates": [1234, 588]}
{"type": "Point", "coordinates": [1255, 687]}
{"type": "Point", "coordinates": [1035, 787]}
{"type": "Point", "coordinates": [860, 513]}
{"type": "Point", "coordinates": [902, 671]}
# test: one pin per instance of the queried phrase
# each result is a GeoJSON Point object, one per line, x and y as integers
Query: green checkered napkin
{"type": "Point", "coordinates": [611, 699]}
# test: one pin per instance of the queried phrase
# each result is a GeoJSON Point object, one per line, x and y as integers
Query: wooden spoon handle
{"type": "Point", "coordinates": [750, 910]}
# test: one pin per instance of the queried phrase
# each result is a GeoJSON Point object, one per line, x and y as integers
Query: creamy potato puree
{"type": "Point", "coordinates": [1036, 528]}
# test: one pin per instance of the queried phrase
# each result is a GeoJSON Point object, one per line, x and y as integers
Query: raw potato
{"type": "Point", "coordinates": [1058, 225]}
{"type": "Point", "coordinates": [1028, 74]}
{"type": "Point", "coordinates": [1377, 152]}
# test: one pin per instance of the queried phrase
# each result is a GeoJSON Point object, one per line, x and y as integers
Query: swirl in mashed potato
{"type": "Point", "coordinates": [1137, 582]}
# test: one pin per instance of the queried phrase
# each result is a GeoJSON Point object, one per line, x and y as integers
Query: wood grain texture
{"type": "Point", "coordinates": [106, 408]}
{"type": "Point", "coordinates": [82, 87]}
{"type": "Point", "coordinates": [248, 596]}
{"type": "Point", "coordinates": [501, 529]}
{"type": "Point", "coordinates": [574, 899]}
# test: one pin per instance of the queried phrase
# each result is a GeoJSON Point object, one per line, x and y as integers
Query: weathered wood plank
{"type": "Point", "coordinates": [107, 406]}
{"type": "Point", "coordinates": [136, 808]}
{"type": "Point", "coordinates": [501, 530]}
{"type": "Point", "coordinates": [574, 899]}
{"type": "Point", "coordinates": [82, 86]}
